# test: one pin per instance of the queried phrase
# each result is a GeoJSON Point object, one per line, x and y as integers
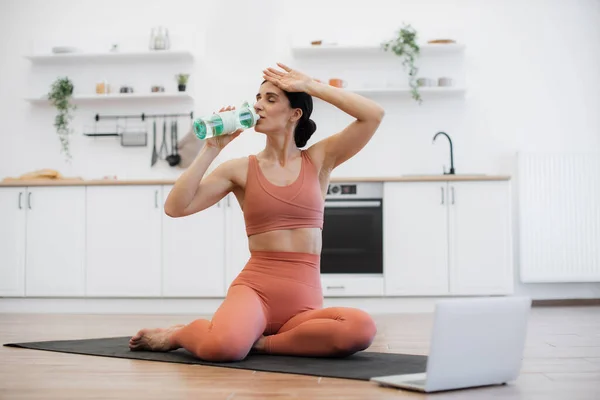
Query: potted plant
{"type": "Point", "coordinates": [182, 81]}
{"type": "Point", "coordinates": [404, 45]}
{"type": "Point", "coordinates": [60, 96]}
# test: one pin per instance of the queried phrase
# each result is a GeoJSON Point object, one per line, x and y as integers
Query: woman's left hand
{"type": "Point", "coordinates": [290, 80]}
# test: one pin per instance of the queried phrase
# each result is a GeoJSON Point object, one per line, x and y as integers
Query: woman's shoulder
{"type": "Point", "coordinates": [316, 155]}
{"type": "Point", "coordinates": [234, 169]}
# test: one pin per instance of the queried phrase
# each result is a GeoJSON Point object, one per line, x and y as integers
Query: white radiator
{"type": "Point", "coordinates": [559, 217]}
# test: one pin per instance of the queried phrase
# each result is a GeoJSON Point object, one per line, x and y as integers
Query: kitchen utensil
{"type": "Point", "coordinates": [154, 153]}
{"type": "Point", "coordinates": [173, 159]}
{"type": "Point", "coordinates": [163, 152]}
{"type": "Point", "coordinates": [135, 136]}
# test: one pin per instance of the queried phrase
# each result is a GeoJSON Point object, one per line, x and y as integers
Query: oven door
{"type": "Point", "coordinates": [352, 237]}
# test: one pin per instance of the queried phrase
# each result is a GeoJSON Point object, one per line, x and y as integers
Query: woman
{"type": "Point", "coordinates": [274, 305]}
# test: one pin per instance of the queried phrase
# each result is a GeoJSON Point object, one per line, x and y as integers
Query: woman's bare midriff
{"type": "Point", "coordinates": [300, 240]}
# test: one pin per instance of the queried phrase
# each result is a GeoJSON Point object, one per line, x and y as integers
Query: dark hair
{"type": "Point", "coordinates": [306, 126]}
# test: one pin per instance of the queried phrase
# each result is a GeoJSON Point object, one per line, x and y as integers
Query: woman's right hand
{"type": "Point", "coordinates": [219, 142]}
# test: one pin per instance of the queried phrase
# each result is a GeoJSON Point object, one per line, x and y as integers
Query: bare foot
{"type": "Point", "coordinates": [154, 339]}
{"type": "Point", "coordinates": [259, 345]}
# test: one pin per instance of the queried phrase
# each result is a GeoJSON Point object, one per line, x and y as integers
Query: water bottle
{"type": "Point", "coordinates": [225, 122]}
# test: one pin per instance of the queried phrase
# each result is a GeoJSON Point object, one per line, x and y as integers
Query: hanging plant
{"type": "Point", "coordinates": [405, 46]}
{"type": "Point", "coordinates": [60, 96]}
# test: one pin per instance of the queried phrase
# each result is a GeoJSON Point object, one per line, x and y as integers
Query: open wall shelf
{"type": "Point", "coordinates": [132, 56]}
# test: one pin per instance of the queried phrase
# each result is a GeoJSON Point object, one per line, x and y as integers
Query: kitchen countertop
{"type": "Point", "coordinates": [115, 182]}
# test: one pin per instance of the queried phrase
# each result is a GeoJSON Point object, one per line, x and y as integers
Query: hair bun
{"type": "Point", "coordinates": [304, 131]}
{"type": "Point", "coordinates": [310, 126]}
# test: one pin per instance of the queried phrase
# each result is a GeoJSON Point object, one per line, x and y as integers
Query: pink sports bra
{"type": "Point", "coordinates": [269, 207]}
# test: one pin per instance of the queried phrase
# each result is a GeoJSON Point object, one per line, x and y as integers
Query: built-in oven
{"type": "Point", "coordinates": [353, 229]}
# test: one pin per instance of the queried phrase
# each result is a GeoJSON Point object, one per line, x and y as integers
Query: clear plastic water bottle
{"type": "Point", "coordinates": [225, 122]}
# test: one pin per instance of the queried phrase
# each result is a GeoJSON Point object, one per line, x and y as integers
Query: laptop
{"type": "Point", "coordinates": [475, 342]}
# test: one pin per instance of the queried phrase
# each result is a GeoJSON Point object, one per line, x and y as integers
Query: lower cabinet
{"type": "Point", "coordinates": [135, 250]}
{"type": "Point", "coordinates": [193, 252]}
{"type": "Point", "coordinates": [123, 236]}
{"type": "Point", "coordinates": [440, 238]}
{"type": "Point", "coordinates": [237, 252]}
{"type": "Point", "coordinates": [42, 246]}
{"type": "Point", "coordinates": [447, 238]}
{"type": "Point", "coordinates": [13, 218]}
{"type": "Point", "coordinates": [55, 256]}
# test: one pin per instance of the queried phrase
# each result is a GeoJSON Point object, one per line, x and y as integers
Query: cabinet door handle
{"type": "Point", "coordinates": [29, 200]}
{"type": "Point", "coordinates": [20, 196]}
{"type": "Point", "coordinates": [156, 199]}
{"type": "Point", "coordinates": [452, 191]}
{"type": "Point", "coordinates": [228, 201]}
{"type": "Point", "coordinates": [336, 287]}
{"type": "Point", "coordinates": [442, 195]}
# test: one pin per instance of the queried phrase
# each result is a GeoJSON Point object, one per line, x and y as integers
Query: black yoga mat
{"type": "Point", "coordinates": [361, 366]}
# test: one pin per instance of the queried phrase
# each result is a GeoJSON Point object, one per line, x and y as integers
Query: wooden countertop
{"type": "Point", "coordinates": [113, 182]}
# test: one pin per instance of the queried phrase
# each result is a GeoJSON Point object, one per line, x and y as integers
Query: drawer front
{"type": "Point", "coordinates": [350, 286]}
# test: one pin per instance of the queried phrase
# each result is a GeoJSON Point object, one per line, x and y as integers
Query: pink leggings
{"type": "Point", "coordinates": [277, 294]}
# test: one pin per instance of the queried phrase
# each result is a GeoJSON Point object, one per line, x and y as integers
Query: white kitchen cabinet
{"type": "Point", "coordinates": [42, 251]}
{"type": "Point", "coordinates": [123, 230]}
{"type": "Point", "coordinates": [55, 256]}
{"type": "Point", "coordinates": [12, 240]}
{"type": "Point", "coordinates": [447, 238]}
{"type": "Point", "coordinates": [415, 238]}
{"type": "Point", "coordinates": [237, 252]}
{"type": "Point", "coordinates": [480, 245]}
{"type": "Point", "coordinates": [193, 252]}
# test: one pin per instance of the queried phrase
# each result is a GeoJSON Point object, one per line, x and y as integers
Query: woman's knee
{"type": "Point", "coordinates": [222, 348]}
{"type": "Point", "coordinates": [361, 330]}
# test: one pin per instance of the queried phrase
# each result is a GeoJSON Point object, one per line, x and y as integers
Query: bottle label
{"type": "Point", "coordinates": [228, 118]}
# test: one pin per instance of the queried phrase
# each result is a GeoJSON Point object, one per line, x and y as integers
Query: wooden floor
{"type": "Point", "coordinates": [562, 361]}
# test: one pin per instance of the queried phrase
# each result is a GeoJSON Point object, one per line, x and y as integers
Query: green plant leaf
{"type": "Point", "coordinates": [404, 45]}
{"type": "Point", "coordinates": [60, 96]}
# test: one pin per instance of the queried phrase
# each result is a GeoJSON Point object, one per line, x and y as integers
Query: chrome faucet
{"type": "Point", "coordinates": [451, 153]}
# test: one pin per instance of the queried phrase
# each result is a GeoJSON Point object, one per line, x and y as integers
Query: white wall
{"type": "Point", "coordinates": [530, 67]}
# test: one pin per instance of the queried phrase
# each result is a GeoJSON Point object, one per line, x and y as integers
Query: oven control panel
{"type": "Point", "coordinates": [341, 189]}
{"type": "Point", "coordinates": [355, 190]}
